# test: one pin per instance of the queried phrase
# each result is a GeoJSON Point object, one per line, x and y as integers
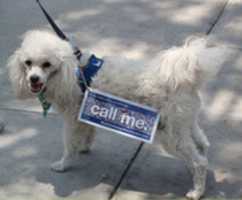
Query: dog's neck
{"type": "Point", "coordinates": [62, 90]}
{"type": "Point", "coordinates": [67, 94]}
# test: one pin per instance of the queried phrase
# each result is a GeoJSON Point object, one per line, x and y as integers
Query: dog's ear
{"type": "Point", "coordinates": [17, 75]}
{"type": "Point", "coordinates": [67, 70]}
{"type": "Point", "coordinates": [66, 79]}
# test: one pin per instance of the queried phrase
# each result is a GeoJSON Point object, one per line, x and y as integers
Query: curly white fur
{"type": "Point", "coordinates": [170, 83]}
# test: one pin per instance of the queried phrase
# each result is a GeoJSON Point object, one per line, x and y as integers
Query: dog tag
{"type": "Point", "coordinates": [119, 115]}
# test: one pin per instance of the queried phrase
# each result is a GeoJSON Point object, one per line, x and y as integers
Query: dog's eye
{"type": "Point", "coordinates": [28, 62]}
{"type": "Point", "coordinates": [46, 65]}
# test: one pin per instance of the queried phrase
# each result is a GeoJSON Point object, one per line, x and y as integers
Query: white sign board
{"type": "Point", "coordinates": [119, 115]}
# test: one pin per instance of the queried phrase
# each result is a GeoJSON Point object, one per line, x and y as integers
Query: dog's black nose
{"type": "Point", "coordinates": [34, 79]}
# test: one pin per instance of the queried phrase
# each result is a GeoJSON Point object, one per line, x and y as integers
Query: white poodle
{"type": "Point", "coordinates": [169, 83]}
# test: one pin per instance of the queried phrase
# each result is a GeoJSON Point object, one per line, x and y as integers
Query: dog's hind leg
{"type": "Point", "coordinates": [200, 139]}
{"type": "Point", "coordinates": [78, 138]}
{"type": "Point", "coordinates": [197, 163]}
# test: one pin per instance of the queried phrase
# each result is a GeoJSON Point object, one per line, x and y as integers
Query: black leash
{"type": "Point", "coordinates": [52, 23]}
{"type": "Point", "coordinates": [58, 31]}
{"type": "Point", "coordinates": [126, 170]}
{"type": "Point", "coordinates": [62, 35]}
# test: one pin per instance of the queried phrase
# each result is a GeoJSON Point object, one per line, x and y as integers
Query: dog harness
{"type": "Point", "coordinates": [86, 73]}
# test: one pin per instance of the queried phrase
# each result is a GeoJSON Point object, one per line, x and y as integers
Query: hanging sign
{"type": "Point", "coordinates": [119, 115]}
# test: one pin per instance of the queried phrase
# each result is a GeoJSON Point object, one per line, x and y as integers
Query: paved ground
{"type": "Point", "coordinates": [136, 29]}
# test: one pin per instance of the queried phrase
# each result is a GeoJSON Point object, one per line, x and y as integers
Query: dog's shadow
{"type": "Point", "coordinates": [90, 171]}
{"type": "Point", "coordinates": [159, 177]}
{"type": "Point", "coordinates": [151, 174]}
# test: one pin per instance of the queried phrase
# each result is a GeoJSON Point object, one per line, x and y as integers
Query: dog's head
{"type": "Point", "coordinates": [41, 57]}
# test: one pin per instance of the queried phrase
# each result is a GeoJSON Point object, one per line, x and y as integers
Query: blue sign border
{"type": "Point", "coordinates": [118, 129]}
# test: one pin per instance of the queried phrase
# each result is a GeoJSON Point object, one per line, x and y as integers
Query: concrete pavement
{"type": "Point", "coordinates": [135, 29]}
{"type": "Point", "coordinates": [29, 145]}
{"type": "Point", "coordinates": [221, 121]}
{"type": "Point", "coordinates": [2, 125]}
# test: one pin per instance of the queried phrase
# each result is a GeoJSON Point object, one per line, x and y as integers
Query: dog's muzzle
{"type": "Point", "coordinates": [35, 84]}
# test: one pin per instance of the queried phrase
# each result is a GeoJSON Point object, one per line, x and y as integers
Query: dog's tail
{"type": "Point", "coordinates": [194, 63]}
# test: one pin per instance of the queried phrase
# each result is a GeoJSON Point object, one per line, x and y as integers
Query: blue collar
{"type": "Point", "coordinates": [93, 65]}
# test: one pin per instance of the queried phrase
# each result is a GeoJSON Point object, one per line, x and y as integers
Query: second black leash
{"type": "Point", "coordinates": [126, 170]}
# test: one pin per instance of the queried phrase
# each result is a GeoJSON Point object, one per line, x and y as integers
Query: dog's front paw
{"type": "Point", "coordinates": [194, 195]}
{"type": "Point", "coordinates": [59, 166]}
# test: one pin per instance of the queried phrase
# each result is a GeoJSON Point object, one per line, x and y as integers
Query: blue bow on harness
{"type": "Point", "coordinates": [87, 72]}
